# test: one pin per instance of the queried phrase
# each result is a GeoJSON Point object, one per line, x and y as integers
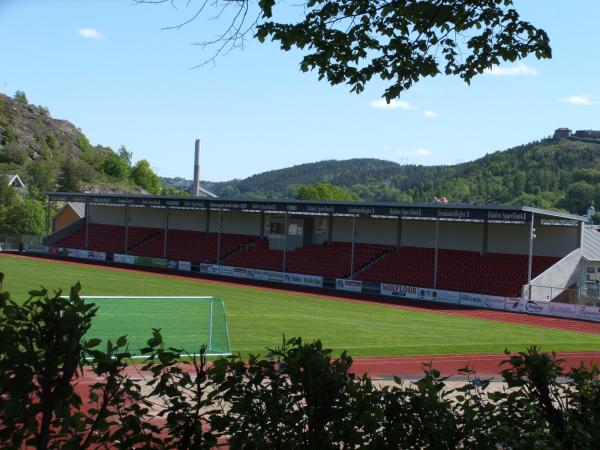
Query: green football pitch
{"type": "Point", "coordinates": [258, 318]}
{"type": "Point", "coordinates": [188, 322]}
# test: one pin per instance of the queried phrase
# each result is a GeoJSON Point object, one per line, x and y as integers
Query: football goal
{"type": "Point", "coordinates": [185, 323]}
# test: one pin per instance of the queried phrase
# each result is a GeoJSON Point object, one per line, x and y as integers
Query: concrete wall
{"type": "Point", "coordinates": [237, 222]}
{"type": "Point", "coordinates": [107, 215]}
{"type": "Point", "coordinates": [342, 229]}
{"type": "Point", "coordinates": [368, 230]}
{"type": "Point", "coordinates": [187, 219]}
{"type": "Point", "coordinates": [418, 233]}
{"type": "Point", "coordinates": [147, 217]}
{"type": "Point", "coordinates": [379, 231]}
{"type": "Point", "coordinates": [461, 236]}
{"type": "Point", "coordinates": [551, 240]}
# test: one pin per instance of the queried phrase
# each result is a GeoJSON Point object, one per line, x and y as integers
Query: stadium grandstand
{"type": "Point", "coordinates": [394, 249]}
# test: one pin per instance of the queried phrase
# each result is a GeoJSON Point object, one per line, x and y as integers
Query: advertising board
{"type": "Point", "coordinates": [588, 312]}
{"type": "Point", "coordinates": [399, 290]}
{"type": "Point", "coordinates": [303, 280]}
{"type": "Point", "coordinates": [184, 265]}
{"type": "Point", "coordinates": [563, 310]}
{"type": "Point", "coordinates": [348, 285]}
{"type": "Point", "coordinates": [90, 254]}
{"type": "Point", "coordinates": [437, 295]}
{"type": "Point", "coordinates": [123, 259]}
{"type": "Point", "coordinates": [532, 307]}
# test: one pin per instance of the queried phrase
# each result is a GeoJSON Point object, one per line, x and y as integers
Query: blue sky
{"type": "Point", "coordinates": [107, 66]}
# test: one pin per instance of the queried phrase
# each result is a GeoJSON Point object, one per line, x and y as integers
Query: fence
{"type": "Point", "coordinates": [11, 242]}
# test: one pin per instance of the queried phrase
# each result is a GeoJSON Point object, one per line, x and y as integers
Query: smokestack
{"type": "Point", "coordinates": [196, 188]}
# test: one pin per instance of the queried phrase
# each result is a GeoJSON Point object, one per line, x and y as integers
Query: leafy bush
{"type": "Point", "coordinates": [115, 167]}
{"type": "Point", "coordinates": [8, 135]}
{"type": "Point", "coordinates": [143, 175]}
{"type": "Point", "coordinates": [13, 154]}
{"type": "Point", "coordinates": [26, 217]}
{"type": "Point", "coordinates": [21, 98]}
{"type": "Point", "coordinates": [298, 396]}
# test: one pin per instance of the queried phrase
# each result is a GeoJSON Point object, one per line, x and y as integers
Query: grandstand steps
{"type": "Point", "coordinates": [375, 260]}
{"type": "Point", "coordinates": [64, 232]}
{"type": "Point", "coordinates": [144, 241]}
{"type": "Point", "coordinates": [241, 248]}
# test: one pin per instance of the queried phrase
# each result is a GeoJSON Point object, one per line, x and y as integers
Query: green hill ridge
{"type": "Point", "coordinates": [53, 154]}
{"type": "Point", "coordinates": [551, 173]}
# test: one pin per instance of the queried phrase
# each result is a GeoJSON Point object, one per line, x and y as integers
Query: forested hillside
{"type": "Point", "coordinates": [556, 174]}
{"type": "Point", "coordinates": [51, 154]}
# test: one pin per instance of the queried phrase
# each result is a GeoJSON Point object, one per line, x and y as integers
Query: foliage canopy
{"type": "Point", "coordinates": [400, 42]}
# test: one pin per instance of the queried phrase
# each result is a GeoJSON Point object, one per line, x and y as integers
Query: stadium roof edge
{"type": "Point", "coordinates": [456, 211]}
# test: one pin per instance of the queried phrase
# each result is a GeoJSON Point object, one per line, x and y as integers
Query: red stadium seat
{"type": "Point", "coordinates": [458, 270]}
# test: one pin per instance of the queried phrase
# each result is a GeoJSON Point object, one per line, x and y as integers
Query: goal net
{"type": "Point", "coordinates": [185, 323]}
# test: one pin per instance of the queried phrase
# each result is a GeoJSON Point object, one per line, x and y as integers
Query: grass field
{"type": "Point", "coordinates": [258, 317]}
{"type": "Point", "coordinates": [188, 322]}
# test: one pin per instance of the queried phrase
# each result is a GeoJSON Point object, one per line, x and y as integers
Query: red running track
{"type": "Point", "coordinates": [484, 365]}
{"type": "Point", "coordinates": [409, 366]}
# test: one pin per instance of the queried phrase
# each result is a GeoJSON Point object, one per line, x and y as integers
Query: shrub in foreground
{"type": "Point", "coordinates": [297, 396]}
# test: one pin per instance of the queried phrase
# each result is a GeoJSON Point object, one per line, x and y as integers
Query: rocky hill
{"type": "Point", "coordinates": [51, 154]}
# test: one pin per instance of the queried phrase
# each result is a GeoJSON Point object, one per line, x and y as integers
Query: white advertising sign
{"type": "Point", "coordinates": [348, 285]}
{"type": "Point", "coordinates": [514, 305]}
{"type": "Point", "coordinates": [399, 290]}
{"type": "Point", "coordinates": [184, 265]}
{"type": "Point", "coordinates": [563, 310]}
{"type": "Point", "coordinates": [267, 275]}
{"type": "Point", "coordinates": [588, 312]}
{"type": "Point", "coordinates": [536, 307]}
{"type": "Point", "coordinates": [439, 296]}
{"type": "Point", "coordinates": [124, 259]}
{"type": "Point", "coordinates": [89, 254]}
{"type": "Point", "coordinates": [494, 302]}
{"type": "Point", "coordinates": [304, 280]}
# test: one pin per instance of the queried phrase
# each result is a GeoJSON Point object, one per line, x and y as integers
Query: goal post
{"type": "Point", "coordinates": [186, 322]}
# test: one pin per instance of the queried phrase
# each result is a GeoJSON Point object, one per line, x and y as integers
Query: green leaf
{"type": "Point", "coordinates": [122, 341]}
{"type": "Point", "coordinates": [93, 342]}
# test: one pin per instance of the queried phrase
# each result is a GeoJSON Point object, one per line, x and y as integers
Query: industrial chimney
{"type": "Point", "coordinates": [196, 187]}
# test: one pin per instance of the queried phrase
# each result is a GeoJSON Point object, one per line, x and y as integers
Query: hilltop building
{"type": "Point", "coordinates": [561, 133]}
{"type": "Point", "coordinates": [590, 134]}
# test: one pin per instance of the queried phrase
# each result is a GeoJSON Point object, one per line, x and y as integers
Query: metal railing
{"type": "Point", "coordinates": [588, 295]}
{"type": "Point", "coordinates": [11, 242]}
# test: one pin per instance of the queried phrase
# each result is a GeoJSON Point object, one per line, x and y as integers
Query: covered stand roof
{"type": "Point", "coordinates": [424, 211]}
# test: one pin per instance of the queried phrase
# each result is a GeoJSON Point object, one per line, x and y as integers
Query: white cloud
{"type": "Point", "coordinates": [577, 100]}
{"type": "Point", "coordinates": [393, 104]}
{"type": "Point", "coordinates": [417, 152]}
{"type": "Point", "coordinates": [430, 114]}
{"type": "Point", "coordinates": [514, 70]}
{"type": "Point", "coordinates": [90, 33]}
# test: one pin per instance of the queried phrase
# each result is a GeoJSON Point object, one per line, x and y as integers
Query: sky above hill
{"type": "Point", "coordinates": [110, 68]}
